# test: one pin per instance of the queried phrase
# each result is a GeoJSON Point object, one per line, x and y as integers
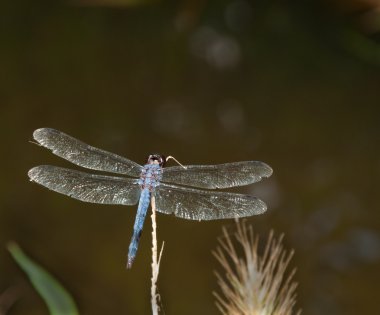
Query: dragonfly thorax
{"type": "Point", "coordinates": [151, 176]}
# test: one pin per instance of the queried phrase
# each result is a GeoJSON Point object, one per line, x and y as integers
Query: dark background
{"type": "Point", "coordinates": [293, 83]}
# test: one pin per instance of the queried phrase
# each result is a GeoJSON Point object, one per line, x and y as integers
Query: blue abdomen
{"type": "Point", "coordinates": [138, 226]}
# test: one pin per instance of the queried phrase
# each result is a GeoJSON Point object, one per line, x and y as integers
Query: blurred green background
{"type": "Point", "coordinates": [293, 83]}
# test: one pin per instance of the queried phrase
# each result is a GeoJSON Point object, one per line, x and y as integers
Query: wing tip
{"type": "Point", "coordinates": [262, 209]}
{"type": "Point", "coordinates": [41, 133]}
{"type": "Point", "coordinates": [36, 171]}
{"type": "Point", "coordinates": [268, 171]}
{"type": "Point", "coordinates": [259, 207]}
{"type": "Point", "coordinates": [262, 168]}
{"type": "Point", "coordinates": [33, 172]}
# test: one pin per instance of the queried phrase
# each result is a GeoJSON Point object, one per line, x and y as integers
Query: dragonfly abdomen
{"type": "Point", "coordinates": [138, 226]}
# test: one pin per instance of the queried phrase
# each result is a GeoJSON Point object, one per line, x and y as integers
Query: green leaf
{"type": "Point", "coordinates": [58, 300]}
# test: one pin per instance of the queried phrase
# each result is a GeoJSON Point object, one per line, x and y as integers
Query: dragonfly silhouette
{"type": "Point", "coordinates": [149, 181]}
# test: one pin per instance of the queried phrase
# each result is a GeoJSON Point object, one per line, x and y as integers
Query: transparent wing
{"type": "Point", "coordinates": [194, 204]}
{"type": "Point", "coordinates": [217, 176]}
{"type": "Point", "coordinates": [87, 187]}
{"type": "Point", "coordinates": [84, 155]}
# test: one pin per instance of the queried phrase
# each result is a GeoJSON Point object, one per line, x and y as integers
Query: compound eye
{"type": "Point", "coordinates": [159, 159]}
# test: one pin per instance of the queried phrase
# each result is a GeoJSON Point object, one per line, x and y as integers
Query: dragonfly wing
{"type": "Point", "coordinates": [217, 176]}
{"type": "Point", "coordinates": [194, 204]}
{"type": "Point", "coordinates": [87, 187]}
{"type": "Point", "coordinates": [84, 155]}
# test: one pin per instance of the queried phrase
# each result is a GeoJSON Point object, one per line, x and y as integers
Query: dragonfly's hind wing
{"type": "Point", "coordinates": [217, 176]}
{"type": "Point", "coordinates": [84, 155]}
{"type": "Point", "coordinates": [87, 187]}
{"type": "Point", "coordinates": [194, 204]}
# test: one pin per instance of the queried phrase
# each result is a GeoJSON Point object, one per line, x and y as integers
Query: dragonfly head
{"type": "Point", "coordinates": [157, 159]}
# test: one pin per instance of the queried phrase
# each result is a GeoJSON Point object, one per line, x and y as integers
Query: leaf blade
{"type": "Point", "coordinates": [57, 299]}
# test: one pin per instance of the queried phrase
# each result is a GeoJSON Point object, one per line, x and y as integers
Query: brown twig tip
{"type": "Point", "coordinates": [254, 283]}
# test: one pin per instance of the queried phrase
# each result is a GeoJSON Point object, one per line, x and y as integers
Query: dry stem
{"type": "Point", "coordinates": [155, 263]}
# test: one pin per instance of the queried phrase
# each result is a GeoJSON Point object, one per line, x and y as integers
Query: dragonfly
{"type": "Point", "coordinates": [183, 191]}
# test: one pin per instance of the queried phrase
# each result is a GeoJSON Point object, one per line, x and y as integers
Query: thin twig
{"type": "Point", "coordinates": [155, 262]}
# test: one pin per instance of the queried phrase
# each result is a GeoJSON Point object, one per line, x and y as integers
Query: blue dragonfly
{"type": "Point", "coordinates": [169, 186]}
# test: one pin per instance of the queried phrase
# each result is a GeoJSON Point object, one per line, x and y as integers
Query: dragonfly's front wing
{"type": "Point", "coordinates": [217, 176]}
{"type": "Point", "coordinates": [194, 204]}
{"type": "Point", "coordinates": [84, 155]}
{"type": "Point", "coordinates": [87, 187]}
